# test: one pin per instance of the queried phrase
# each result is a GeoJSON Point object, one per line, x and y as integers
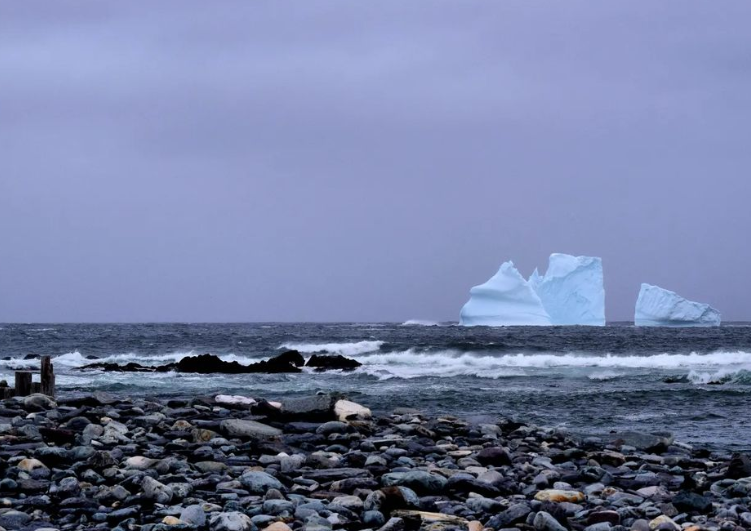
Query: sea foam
{"type": "Point", "coordinates": [345, 349]}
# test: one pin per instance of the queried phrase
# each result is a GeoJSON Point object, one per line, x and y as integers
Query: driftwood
{"type": "Point", "coordinates": [24, 385]}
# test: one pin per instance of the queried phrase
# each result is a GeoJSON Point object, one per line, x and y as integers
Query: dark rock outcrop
{"type": "Point", "coordinates": [329, 362]}
{"type": "Point", "coordinates": [286, 362]}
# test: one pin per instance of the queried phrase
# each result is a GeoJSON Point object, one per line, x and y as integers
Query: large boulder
{"type": "Point", "coordinates": [349, 411]}
{"type": "Point", "coordinates": [38, 402]}
{"type": "Point", "coordinates": [310, 408]}
{"type": "Point", "coordinates": [493, 456]}
{"type": "Point", "coordinates": [248, 428]}
{"type": "Point", "coordinates": [739, 467]}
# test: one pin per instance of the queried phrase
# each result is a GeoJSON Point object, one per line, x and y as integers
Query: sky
{"type": "Point", "coordinates": [366, 161]}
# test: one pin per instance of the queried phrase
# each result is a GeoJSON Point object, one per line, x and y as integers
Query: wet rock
{"type": "Point", "coordinates": [643, 441]}
{"type": "Point", "coordinates": [545, 522]}
{"type": "Point", "coordinates": [28, 465]}
{"type": "Point", "coordinates": [419, 481]}
{"type": "Point", "coordinates": [664, 523]}
{"type": "Point", "coordinates": [515, 513]}
{"type": "Point", "coordinates": [230, 521]}
{"type": "Point", "coordinates": [38, 402]}
{"type": "Point", "coordinates": [277, 526]}
{"type": "Point", "coordinates": [334, 426]}
{"type": "Point", "coordinates": [231, 401]}
{"type": "Point", "coordinates": [156, 491]}
{"type": "Point", "coordinates": [375, 518]}
{"type": "Point", "coordinates": [739, 466]}
{"type": "Point", "coordinates": [318, 407]}
{"type": "Point", "coordinates": [558, 496]}
{"type": "Point", "coordinates": [332, 362]}
{"type": "Point", "coordinates": [606, 516]}
{"type": "Point", "coordinates": [494, 456]}
{"type": "Point", "coordinates": [691, 502]}
{"type": "Point", "coordinates": [14, 519]}
{"type": "Point", "coordinates": [349, 411]}
{"type": "Point", "coordinates": [248, 428]}
{"type": "Point", "coordinates": [260, 482]}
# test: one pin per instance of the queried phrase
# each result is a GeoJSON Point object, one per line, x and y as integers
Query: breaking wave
{"type": "Point", "coordinates": [420, 322]}
{"type": "Point", "coordinates": [722, 376]}
{"type": "Point", "coordinates": [604, 375]}
{"type": "Point", "coordinates": [345, 349]}
{"type": "Point", "coordinates": [76, 359]}
{"type": "Point", "coordinates": [541, 361]}
{"type": "Point", "coordinates": [412, 363]}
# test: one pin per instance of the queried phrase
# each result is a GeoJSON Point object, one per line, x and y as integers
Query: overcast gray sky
{"type": "Point", "coordinates": [359, 161]}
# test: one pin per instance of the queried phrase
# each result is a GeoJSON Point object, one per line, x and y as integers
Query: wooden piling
{"type": "Point", "coordinates": [23, 383]}
{"type": "Point", "coordinates": [48, 377]}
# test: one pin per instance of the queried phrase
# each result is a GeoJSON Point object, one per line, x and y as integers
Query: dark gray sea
{"type": "Point", "coordinates": [694, 382]}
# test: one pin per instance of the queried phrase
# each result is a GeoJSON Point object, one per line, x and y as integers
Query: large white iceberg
{"type": "Point", "coordinates": [572, 290]}
{"type": "Point", "coordinates": [504, 300]}
{"type": "Point", "coordinates": [661, 307]}
{"type": "Point", "coordinates": [570, 293]}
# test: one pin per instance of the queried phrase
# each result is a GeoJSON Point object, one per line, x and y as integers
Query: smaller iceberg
{"type": "Point", "coordinates": [660, 307]}
{"type": "Point", "coordinates": [506, 299]}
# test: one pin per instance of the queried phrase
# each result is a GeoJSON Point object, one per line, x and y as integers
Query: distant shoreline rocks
{"type": "Point", "coordinates": [290, 361]}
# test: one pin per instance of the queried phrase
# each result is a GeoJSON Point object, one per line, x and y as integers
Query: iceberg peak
{"type": "Point", "coordinates": [570, 293]}
{"type": "Point", "coordinates": [657, 306]}
{"type": "Point", "coordinates": [506, 299]}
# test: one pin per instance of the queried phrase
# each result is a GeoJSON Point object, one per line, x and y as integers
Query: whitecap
{"type": "Point", "coordinates": [604, 375]}
{"type": "Point", "coordinates": [412, 363]}
{"type": "Point", "coordinates": [76, 359]}
{"type": "Point", "coordinates": [345, 349]}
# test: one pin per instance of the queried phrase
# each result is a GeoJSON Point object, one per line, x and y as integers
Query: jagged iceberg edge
{"type": "Point", "coordinates": [571, 292]}
{"type": "Point", "coordinates": [656, 306]}
{"type": "Point", "coordinates": [506, 299]}
{"type": "Point", "coordinates": [345, 349]}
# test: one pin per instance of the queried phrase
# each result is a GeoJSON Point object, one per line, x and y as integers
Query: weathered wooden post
{"type": "Point", "coordinates": [47, 377]}
{"type": "Point", "coordinates": [23, 383]}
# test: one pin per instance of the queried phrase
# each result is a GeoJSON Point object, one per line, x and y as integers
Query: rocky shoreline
{"type": "Point", "coordinates": [322, 463]}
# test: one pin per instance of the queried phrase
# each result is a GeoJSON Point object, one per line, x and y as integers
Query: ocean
{"type": "Point", "coordinates": [693, 382]}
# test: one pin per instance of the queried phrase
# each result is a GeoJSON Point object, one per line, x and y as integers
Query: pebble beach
{"type": "Point", "coordinates": [322, 462]}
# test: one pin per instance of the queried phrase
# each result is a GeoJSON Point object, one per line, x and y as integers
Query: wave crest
{"type": "Point", "coordinates": [345, 349]}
